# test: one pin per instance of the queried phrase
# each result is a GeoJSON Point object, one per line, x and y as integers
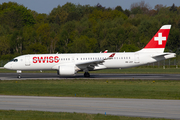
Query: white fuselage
{"type": "Point", "coordinates": [52, 61]}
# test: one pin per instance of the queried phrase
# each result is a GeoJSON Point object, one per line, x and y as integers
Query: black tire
{"type": "Point", "coordinates": [86, 74]}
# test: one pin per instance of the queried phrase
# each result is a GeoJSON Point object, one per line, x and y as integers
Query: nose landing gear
{"type": "Point", "coordinates": [19, 73]}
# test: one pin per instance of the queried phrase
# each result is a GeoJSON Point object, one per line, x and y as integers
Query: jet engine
{"type": "Point", "coordinates": [66, 70]}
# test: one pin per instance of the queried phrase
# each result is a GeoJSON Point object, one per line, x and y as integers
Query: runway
{"type": "Point", "coordinates": [32, 76]}
{"type": "Point", "coordinates": [113, 106]}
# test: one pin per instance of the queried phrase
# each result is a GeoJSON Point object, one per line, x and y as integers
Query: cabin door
{"type": "Point", "coordinates": [27, 61]}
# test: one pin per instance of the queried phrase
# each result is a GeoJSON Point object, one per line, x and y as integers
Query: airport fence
{"type": "Point", "coordinates": [170, 63]}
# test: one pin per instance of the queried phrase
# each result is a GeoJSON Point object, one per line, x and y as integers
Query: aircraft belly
{"type": "Point", "coordinates": [34, 67]}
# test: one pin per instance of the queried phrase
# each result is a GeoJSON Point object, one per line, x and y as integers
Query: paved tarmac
{"type": "Point", "coordinates": [114, 106]}
{"type": "Point", "coordinates": [26, 76]}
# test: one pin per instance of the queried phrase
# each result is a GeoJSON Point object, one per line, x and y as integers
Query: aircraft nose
{"type": "Point", "coordinates": [7, 66]}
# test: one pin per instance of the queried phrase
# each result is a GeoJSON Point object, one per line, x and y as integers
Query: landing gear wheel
{"type": "Point", "coordinates": [86, 74]}
{"type": "Point", "coordinates": [19, 73]}
{"type": "Point", "coordinates": [19, 76]}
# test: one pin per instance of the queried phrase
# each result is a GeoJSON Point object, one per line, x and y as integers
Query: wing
{"type": "Point", "coordinates": [91, 64]}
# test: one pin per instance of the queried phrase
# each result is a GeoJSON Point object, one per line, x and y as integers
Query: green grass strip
{"type": "Point", "coordinates": [38, 115]}
{"type": "Point", "coordinates": [145, 89]}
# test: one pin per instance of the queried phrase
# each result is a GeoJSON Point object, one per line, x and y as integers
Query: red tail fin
{"type": "Point", "coordinates": [158, 42]}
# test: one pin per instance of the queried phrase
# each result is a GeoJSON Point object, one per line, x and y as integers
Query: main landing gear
{"type": "Point", "coordinates": [19, 73]}
{"type": "Point", "coordinates": [86, 74]}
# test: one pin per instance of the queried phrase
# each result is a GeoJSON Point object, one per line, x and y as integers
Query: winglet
{"type": "Point", "coordinates": [110, 57]}
{"type": "Point", "coordinates": [105, 51]}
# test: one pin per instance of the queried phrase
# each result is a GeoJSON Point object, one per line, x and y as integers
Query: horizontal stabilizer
{"type": "Point", "coordinates": [164, 54]}
{"type": "Point", "coordinates": [159, 55]}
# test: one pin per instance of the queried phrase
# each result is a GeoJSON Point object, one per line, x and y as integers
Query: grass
{"type": "Point", "coordinates": [146, 89]}
{"type": "Point", "coordinates": [94, 88]}
{"type": "Point", "coordinates": [137, 70]}
{"type": "Point", "coordinates": [37, 115]}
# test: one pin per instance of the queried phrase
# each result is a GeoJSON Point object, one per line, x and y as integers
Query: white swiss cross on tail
{"type": "Point", "coordinates": [159, 38]}
{"type": "Point", "coordinates": [158, 42]}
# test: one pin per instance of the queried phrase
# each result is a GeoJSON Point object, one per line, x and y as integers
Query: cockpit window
{"type": "Point", "coordinates": [14, 60]}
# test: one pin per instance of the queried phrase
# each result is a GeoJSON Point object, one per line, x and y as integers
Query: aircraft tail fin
{"type": "Point", "coordinates": [158, 42]}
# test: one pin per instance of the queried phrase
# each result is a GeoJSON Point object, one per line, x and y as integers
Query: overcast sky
{"type": "Point", "coordinates": [45, 6]}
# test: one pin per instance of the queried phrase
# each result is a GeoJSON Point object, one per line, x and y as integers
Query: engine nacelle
{"type": "Point", "coordinates": [66, 70]}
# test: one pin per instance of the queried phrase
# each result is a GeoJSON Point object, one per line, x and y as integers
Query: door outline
{"type": "Point", "coordinates": [136, 58]}
{"type": "Point", "coordinates": [27, 61]}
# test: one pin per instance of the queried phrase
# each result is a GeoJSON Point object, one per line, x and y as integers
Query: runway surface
{"type": "Point", "coordinates": [26, 76]}
{"type": "Point", "coordinates": [113, 106]}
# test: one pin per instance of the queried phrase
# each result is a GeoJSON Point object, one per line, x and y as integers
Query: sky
{"type": "Point", "coordinates": [45, 6]}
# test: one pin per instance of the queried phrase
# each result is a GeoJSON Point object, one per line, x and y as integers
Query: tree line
{"type": "Point", "coordinates": [83, 28]}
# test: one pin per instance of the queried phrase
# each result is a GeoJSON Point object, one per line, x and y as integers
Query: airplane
{"type": "Point", "coordinates": [70, 64]}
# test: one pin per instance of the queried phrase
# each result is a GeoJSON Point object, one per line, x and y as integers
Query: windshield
{"type": "Point", "coordinates": [14, 60]}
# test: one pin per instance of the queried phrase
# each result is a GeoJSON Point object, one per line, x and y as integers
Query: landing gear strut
{"type": "Point", "coordinates": [19, 73]}
{"type": "Point", "coordinates": [19, 76]}
{"type": "Point", "coordinates": [86, 74]}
